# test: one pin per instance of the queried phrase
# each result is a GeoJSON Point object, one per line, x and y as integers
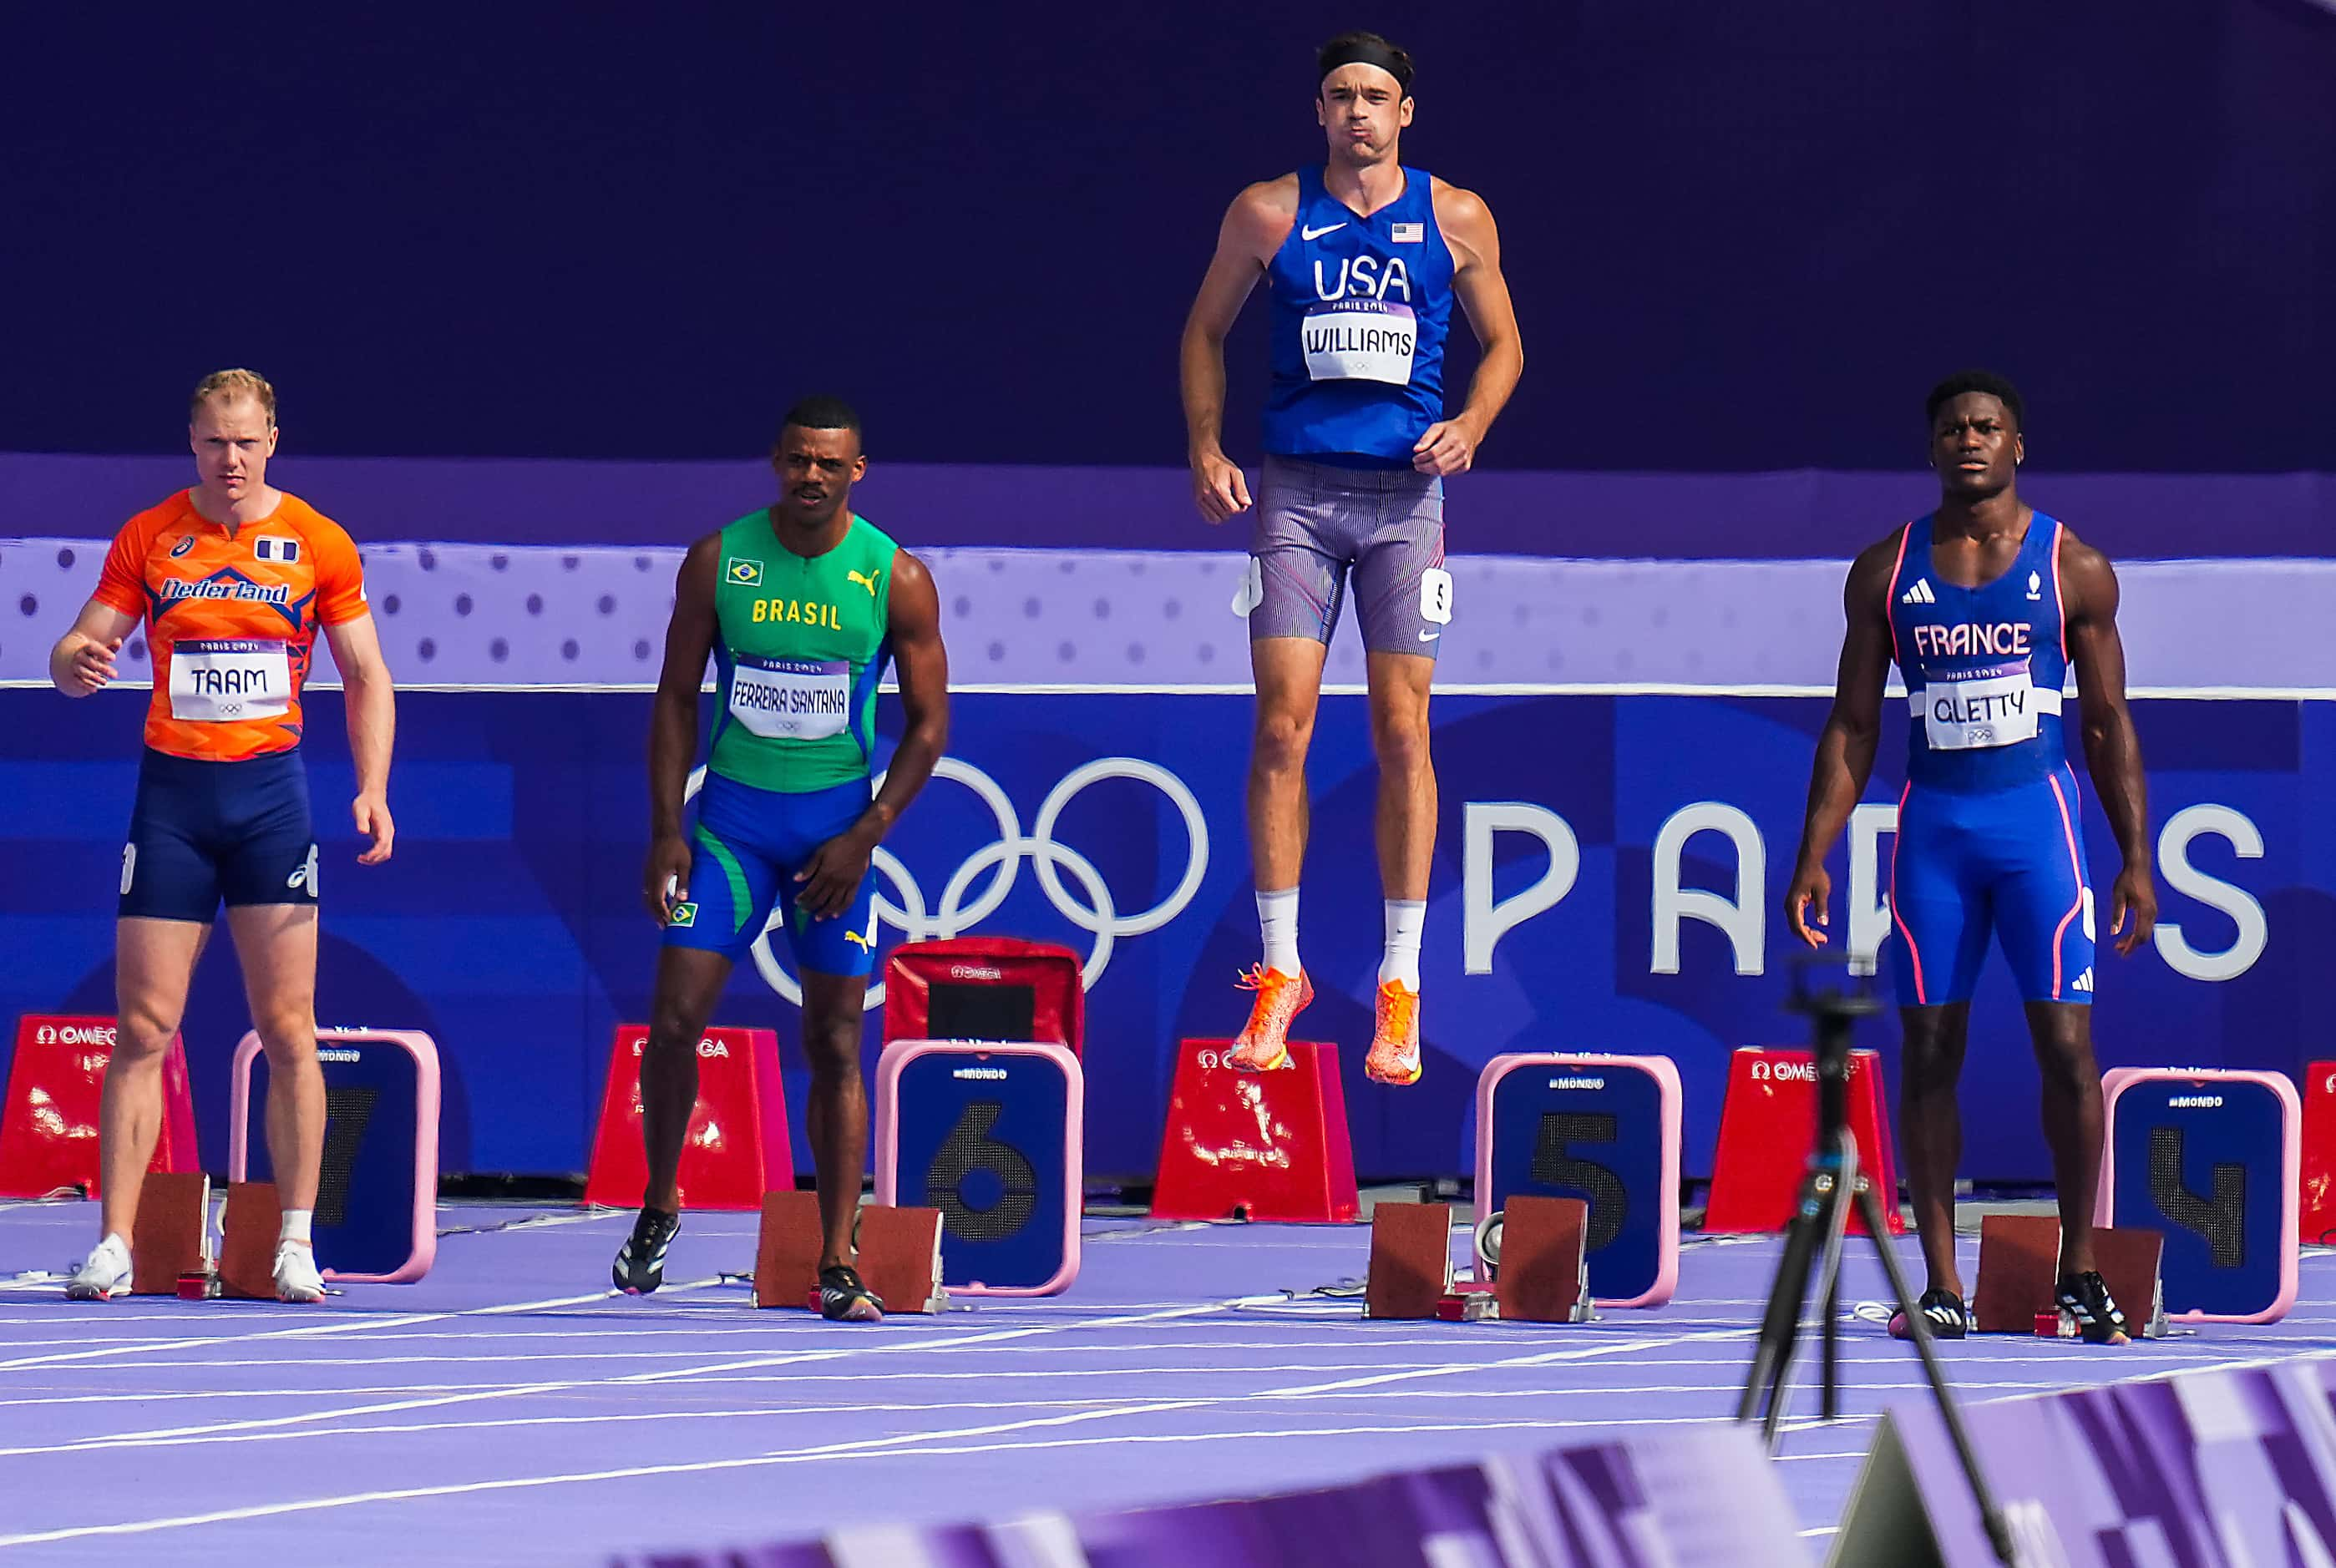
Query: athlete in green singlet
{"type": "Point", "coordinates": [800, 606]}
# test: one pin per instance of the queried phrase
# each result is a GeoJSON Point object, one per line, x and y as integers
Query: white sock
{"type": "Point", "coordinates": [1405, 918]}
{"type": "Point", "coordinates": [296, 1225]}
{"type": "Point", "coordinates": [1277, 917]}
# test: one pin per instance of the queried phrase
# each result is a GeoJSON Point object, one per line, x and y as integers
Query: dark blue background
{"type": "Point", "coordinates": [1742, 237]}
{"type": "Point", "coordinates": [509, 925]}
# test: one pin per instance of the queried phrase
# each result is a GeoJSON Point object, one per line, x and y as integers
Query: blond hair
{"type": "Point", "coordinates": [232, 384]}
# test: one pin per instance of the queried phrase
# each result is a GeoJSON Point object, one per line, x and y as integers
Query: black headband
{"type": "Point", "coordinates": [1365, 51]}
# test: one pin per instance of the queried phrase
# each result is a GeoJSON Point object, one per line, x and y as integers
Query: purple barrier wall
{"type": "Point", "coordinates": [1796, 515]}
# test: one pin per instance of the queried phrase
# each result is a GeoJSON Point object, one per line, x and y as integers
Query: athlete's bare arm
{"type": "Point", "coordinates": [83, 661]}
{"type": "Point", "coordinates": [2088, 587]}
{"type": "Point", "coordinates": [1254, 228]}
{"type": "Point", "coordinates": [372, 703]}
{"type": "Point", "coordinates": [673, 725]}
{"type": "Point", "coordinates": [1844, 759]}
{"type": "Point", "coordinates": [913, 626]}
{"type": "Point", "coordinates": [1450, 446]}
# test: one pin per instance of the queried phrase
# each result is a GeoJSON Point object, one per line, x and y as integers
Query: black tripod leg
{"type": "Point", "coordinates": [1999, 1534]}
{"type": "Point", "coordinates": [1780, 1325]}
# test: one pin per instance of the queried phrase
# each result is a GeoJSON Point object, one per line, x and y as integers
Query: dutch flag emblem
{"type": "Point", "coordinates": [271, 548]}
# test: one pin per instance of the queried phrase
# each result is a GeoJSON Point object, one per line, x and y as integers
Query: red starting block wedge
{"type": "Point", "coordinates": [1545, 1269]}
{"type": "Point", "coordinates": [48, 1125]}
{"type": "Point", "coordinates": [2316, 1181]}
{"type": "Point", "coordinates": [2020, 1262]}
{"type": "Point", "coordinates": [171, 1236]}
{"type": "Point", "coordinates": [900, 1254]}
{"type": "Point", "coordinates": [1410, 1271]}
{"type": "Point", "coordinates": [1767, 1125]}
{"type": "Point", "coordinates": [1260, 1145]}
{"type": "Point", "coordinates": [736, 1149]}
{"type": "Point", "coordinates": [249, 1227]}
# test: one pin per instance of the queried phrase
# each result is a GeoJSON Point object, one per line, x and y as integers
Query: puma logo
{"type": "Point", "coordinates": [865, 944]}
{"type": "Point", "coordinates": [868, 583]}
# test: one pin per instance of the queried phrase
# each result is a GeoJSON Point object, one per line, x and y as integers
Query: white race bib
{"type": "Point", "coordinates": [1360, 339]}
{"type": "Point", "coordinates": [213, 682]}
{"type": "Point", "coordinates": [792, 698]}
{"type": "Point", "coordinates": [1992, 707]}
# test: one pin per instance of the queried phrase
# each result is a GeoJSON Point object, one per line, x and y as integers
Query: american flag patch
{"type": "Point", "coordinates": [271, 547]}
{"type": "Point", "coordinates": [1410, 233]}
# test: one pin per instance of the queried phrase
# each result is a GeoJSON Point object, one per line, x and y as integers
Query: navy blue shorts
{"type": "Point", "coordinates": [745, 850]}
{"type": "Point", "coordinates": [206, 833]}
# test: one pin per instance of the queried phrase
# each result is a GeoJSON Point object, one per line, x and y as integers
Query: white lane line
{"type": "Point", "coordinates": [337, 1326]}
{"type": "Point", "coordinates": [635, 1379]}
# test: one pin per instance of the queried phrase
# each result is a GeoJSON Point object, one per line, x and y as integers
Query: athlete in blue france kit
{"type": "Point", "coordinates": [1985, 605]}
{"type": "Point", "coordinates": [1362, 259]}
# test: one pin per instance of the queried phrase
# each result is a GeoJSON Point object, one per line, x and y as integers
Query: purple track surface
{"type": "Point", "coordinates": [507, 1406]}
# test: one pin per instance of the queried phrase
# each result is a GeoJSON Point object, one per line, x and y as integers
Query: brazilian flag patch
{"type": "Point", "coordinates": [684, 914]}
{"type": "Point", "coordinates": [746, 573]}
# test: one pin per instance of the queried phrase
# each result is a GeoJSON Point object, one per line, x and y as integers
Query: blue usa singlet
{"type": "Point", "coordinates": [1991, 827]}
{"type": "Point", "coordinates": [1358, 311]}
{"type": "Point", "coordinates": [1983, 666]}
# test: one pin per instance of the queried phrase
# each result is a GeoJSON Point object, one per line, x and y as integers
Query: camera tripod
{"type": "Point", "coordinates": [1831, 1183]}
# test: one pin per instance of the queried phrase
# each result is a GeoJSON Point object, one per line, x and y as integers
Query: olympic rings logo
{"type": "Point", "coordinates": [961, 908]}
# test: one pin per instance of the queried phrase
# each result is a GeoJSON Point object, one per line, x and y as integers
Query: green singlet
{"type": "Point", "coordinates": [799, 644]}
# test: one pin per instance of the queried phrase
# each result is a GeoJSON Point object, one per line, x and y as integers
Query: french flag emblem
{"type": "Point", "coordinates": [280, 550]}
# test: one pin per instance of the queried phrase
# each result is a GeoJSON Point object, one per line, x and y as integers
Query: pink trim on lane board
{"type": "Point", "coordinates": [886, 1132]}
{"type": "Point", "coordinates": [1665, 1072]}
{"type": "Point", "coordinates": [1912, 952]}
{"type": "Point", "coordinates": [2069, 832]}
{"type": "Point", "coordinates": [425, 1051]}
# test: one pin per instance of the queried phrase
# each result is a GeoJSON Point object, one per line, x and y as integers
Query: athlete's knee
{"type": "Point", "coordinates": [2064, 1053]}
{"type": "Point", "coordinates": [1931, 1059]}
{"type": "Point", "coordinates": [288, 1032]}
{"type": "Point", "coordinates": [673, 1030]}
{"type": "Point", "coordinates": [1399, 740]}
{"type": "Point", "coordinates": [141, 1037]}
{"type": "Point", "coordinates": [1282, 736]}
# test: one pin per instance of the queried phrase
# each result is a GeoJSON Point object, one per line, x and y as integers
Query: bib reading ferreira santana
{"type": "Point", "coordinates": [225, 679]}
{"type": "Point", "coordinates": [800, 644]}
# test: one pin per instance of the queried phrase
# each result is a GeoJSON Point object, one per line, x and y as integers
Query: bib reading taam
{"type": "Point", "coordinates": [214, 682]}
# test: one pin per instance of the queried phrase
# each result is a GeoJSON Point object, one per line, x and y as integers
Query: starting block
{"type": "Point", "coordinates": [1767, 1126]}
{"type": "Point", "coordinates": [1258, 1145]}
{"type": "Point", "coordinates": [1539, 1271]}
{"type": "Point", "coordinates": [900, 1254]}
{"type": "Point", "coordinates": [1410, 1271]}
{"type": "Point", "coordinates": [736, 1149]}
{"type": "Point", "coordinates": [171, 1236]}
{"type": "Point", "coordinates": [992, 1136]}
{"type": "Point", "coordinates": [2316, 1201]}
{"type": "Point", "coordinates": [1601, 1128]}
{"type": "Point", "coordinates": [2211, 1157]}
{"type": "Point", "coordinates": [2019, 1263]}
{"type": "Point", "coordinates": [994, 987]}
{"type": "Point", "coordinates": [376, 1218]}
{"type": "Point", "coordinates": [48, 1124]}
{"type": "Point", "coordinates": [249, 1226]}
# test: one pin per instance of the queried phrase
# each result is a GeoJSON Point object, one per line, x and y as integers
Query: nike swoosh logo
{"type": "Point", "coordinates": [1318, 233]}
{"type": "Point", "coordinates": [1429, 636]}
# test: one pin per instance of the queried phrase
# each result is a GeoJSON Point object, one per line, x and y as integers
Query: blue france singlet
{"type": "Point", "coordinates": [1983, 666]}
{"type": "Point", "coordinates": [1359, 307]}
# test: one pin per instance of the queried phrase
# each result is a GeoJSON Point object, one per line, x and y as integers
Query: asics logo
{"type": "Point", "coordinates": [305, 873]}
{"type": "Point", "coordinates": [1309, 232]}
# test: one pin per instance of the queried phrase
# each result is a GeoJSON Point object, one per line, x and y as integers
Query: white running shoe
{"type": "Point", "coordinates": [102, 1276]}
{"type": "Point", "coordinates": [296, 1279]}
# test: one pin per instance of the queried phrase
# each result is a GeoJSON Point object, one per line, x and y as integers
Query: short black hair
{"type": "Point", "coordinates": [1975, 381]}
{"type": "Point", "coordinates": [1368, 49]}
{"type": "Point", "coordinates": [822, 411]}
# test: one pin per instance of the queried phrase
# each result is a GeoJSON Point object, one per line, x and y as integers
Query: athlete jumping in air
{"type": "Point", "coordinates": [800, 604]}
{"type": "Point", "coordinates": [1362, 258]}
{"type": "Point", "coordinates": [1985, 605]}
